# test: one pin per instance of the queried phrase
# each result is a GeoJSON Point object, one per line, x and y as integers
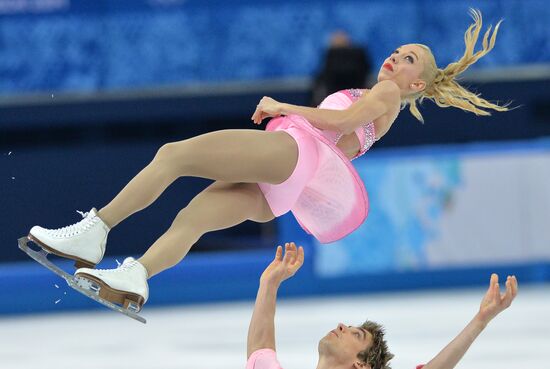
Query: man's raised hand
{"type": "Point", "coordinates": [284, 267]}
{"type": "Point", "coordinates": [494, 302]}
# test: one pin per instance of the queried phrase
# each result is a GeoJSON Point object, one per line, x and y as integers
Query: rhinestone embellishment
{"type": "Point", "coordinates": [355, 93]}
{"type": "Point", "coordinates": [367, 128]}
{"type": "Point", "coordinates": [370, 138]}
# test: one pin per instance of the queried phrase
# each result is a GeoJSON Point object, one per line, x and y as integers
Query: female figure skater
{"type": "Point", "coordinates": [301, 162]}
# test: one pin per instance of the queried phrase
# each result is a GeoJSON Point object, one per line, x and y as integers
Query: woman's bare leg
{"type": "Point", "coordinates": [222, 205]}
{"type": "Point", "coordinates": [249, 156]}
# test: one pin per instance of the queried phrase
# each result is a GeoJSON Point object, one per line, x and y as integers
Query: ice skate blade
{"type": "Point", "coordinates": [95, 288]}
{"type": "Point", "coordinates": [41, 257]}
{"type": "Point", "coordinates": [127, 300]}
{"type": "Point", "coordinates": [78, 263]}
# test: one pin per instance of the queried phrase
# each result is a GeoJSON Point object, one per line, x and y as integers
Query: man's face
{"type": "Point", "coordinates": [343, 343]}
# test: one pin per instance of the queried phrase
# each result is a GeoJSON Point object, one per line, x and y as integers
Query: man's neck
{"type": "Point", "coordinates": [327, 363]}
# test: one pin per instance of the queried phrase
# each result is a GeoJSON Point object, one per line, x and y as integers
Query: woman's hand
{"type": "Point", "coordinates": [267, 107]}
{"type": "Point", "coordinates": [282, 268]}
{"type": "Point", "coordinates": [494, 302]}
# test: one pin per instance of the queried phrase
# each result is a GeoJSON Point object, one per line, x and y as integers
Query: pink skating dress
{"type": "Point", "coordinates": [324, 192]}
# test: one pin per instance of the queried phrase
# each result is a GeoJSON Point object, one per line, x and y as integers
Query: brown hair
{"type": "Point", "coordinates": [441, 86]}
{"type": "Point", "coordinates": [377, 355]}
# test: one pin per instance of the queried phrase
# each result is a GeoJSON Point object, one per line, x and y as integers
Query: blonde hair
{"type": "Point", "coordinates": [441, 86]}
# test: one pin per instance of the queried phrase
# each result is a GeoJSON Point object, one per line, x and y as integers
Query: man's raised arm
{"type": "Point", "coordinates": [492, 304]}
{"type": "Point", "coordinates": [261, 332]}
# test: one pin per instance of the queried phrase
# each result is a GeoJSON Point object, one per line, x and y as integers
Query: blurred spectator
{"type": "Point", "coordinates": [345, 66]}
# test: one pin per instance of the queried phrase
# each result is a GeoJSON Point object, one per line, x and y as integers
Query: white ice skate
{"type": "Point", "coordinates": [77, 283]}
{"type": "Point", "coordinates": [125, 285]}
{"type": "Point", "coordinates": [83, 242]}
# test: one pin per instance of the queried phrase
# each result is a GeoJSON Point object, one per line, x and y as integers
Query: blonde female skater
{"type": "Point", "coordinates": [301, 162]}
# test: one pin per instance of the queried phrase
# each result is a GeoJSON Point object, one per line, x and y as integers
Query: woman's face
{"type": "Point", "coordinates": [404, 66]}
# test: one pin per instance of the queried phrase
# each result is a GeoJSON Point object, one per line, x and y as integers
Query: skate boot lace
{"type": "Point", "coordinates": [77, 228]}
{"type": "Point", "coordinates": [126, 265]}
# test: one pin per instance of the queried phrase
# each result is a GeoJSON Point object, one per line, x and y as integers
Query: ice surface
{"type": "Point", "coordinates": [214, 336]}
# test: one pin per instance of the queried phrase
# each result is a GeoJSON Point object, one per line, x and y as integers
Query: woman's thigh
{"type": "Point", "coordinates": [234, 156]}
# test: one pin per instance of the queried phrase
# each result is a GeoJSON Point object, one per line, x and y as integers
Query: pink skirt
{"type": "Point", "coordinates": [324, 192]}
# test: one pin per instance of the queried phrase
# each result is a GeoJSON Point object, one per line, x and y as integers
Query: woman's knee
{"type": "Point", "coordinates": [171, 158]}
{"type": "Point", "coordinates": [166, 152]}
{"type": "Point", "coordinates": [186, 224]}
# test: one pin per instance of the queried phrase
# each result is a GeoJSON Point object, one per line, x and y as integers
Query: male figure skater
{"type": "Point", "coordinates": [354, 347]}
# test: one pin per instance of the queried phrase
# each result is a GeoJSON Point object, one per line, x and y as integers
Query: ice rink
{"type": "Point", "coordinates": [214, 336]}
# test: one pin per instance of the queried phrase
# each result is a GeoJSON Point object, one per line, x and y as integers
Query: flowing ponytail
{"type": "Point", "coordinates": [441, 86]}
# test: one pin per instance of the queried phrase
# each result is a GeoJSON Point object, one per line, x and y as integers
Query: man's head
{"type": "Point", "coordinates": [360, 347]}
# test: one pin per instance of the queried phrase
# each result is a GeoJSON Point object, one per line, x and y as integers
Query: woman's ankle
{"type": "Point", "coordinates": [101, 214]}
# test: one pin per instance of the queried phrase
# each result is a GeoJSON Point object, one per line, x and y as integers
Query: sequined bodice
{"type": "Point", "coordinates": [342, 100]}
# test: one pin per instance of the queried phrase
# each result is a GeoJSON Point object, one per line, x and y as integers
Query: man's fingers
{"type": "Point", "coordinates": [293, 256]}
{"type": "Point", "coordinates": [292, 247]}
{"type": "Point", "coordinates": [495, 288]}
{"type": "Point", "coordinates": [279, 253]}
{"type": "Point", "coordinates": [288, 254]}
{"type": "Point", "coordinates": [507, 298]}
{"type": "Point", "coordinates": [492, 282]}
{"type": "Point", "coordinates": [298, 260]}
{"type": "Point", "coordinates": [508, 286]}
{"type": "Point", "coordinates": [292, 252]}
{"type": "Point", "coordinates": [511, 290]}
{"type": "Point", "coordinates": [514, 286]}
{"type": "Point", "coordinates": [300, 257]}
{"type": "Point", "coordinates": [298, 253]}
{"type": "Point", "coordinates": [496, 292]}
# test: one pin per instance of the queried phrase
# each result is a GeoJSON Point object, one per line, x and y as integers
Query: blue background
{"type": "Point", "coordinates": [106, 45]}
{"type": "Point", "coordinates": [79, 149]}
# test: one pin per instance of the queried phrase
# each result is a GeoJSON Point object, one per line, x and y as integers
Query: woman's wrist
{"type": "Point", "coordinates": [285, 109]}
